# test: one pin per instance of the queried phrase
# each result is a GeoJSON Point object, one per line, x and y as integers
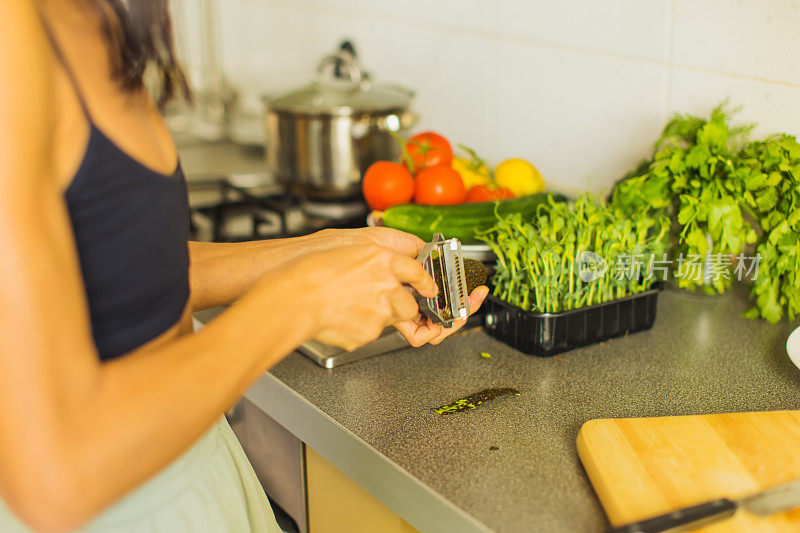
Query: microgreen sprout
{"type": "Point", "coordinates": [538, 261]}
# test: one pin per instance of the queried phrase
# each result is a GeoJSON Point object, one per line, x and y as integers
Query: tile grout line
{"type": "Point", "coordinates": [745, 77]}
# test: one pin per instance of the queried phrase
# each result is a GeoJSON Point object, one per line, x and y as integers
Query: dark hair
{"type": "Point", "coordinates": [140, 35]}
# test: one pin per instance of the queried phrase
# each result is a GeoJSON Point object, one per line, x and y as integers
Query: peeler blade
{"type": "Point", "coordinates": [444, 261]}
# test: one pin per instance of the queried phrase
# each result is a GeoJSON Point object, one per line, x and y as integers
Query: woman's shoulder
{"type": "Point", "coordinates": [27, 67]}
{"type": "Point", "coordinates": [21, 30]}
{"type": "Point", "coordinates": [26, 60]}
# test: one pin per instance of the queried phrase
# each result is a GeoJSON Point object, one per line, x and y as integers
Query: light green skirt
{"type": "Point", "coordinates": [209, 489]}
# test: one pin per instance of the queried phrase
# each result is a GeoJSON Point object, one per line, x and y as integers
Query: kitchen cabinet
{"type": "Point", "coordinates": [277, 458]}
{"type": "Point", "coordinates": [337, 504]}
{"type": "Point", "coordinates": [316, 495]}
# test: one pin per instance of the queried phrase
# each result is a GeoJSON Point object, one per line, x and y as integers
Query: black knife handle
{"type": "Point", "coordinates": [682, 519]}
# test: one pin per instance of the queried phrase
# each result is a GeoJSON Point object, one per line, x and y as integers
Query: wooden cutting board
{"type": "Point", "coordinates": [642, 467]}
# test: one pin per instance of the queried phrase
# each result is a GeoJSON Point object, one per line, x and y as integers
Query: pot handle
{"type": "Point", "coordinates": [351, 67]}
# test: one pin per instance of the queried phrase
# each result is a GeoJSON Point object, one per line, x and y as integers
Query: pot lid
{"type": "Point", "coordinates": [331, 96]}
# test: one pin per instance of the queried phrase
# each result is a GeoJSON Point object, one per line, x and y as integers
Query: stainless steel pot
{"type": "Point", "coordinates": [320, 139]}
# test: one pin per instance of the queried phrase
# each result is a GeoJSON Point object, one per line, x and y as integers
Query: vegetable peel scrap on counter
{"type": "Point", "coordinates": [474, 400]}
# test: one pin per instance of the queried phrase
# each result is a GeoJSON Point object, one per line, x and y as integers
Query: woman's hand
{"type": "Point", "coordinates": [355, 292]}
{"type": "Point", "coordinates": [419, 330]}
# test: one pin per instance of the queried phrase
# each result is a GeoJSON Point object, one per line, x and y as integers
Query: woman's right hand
{"type": "Point", "coordinates": [354, 292]}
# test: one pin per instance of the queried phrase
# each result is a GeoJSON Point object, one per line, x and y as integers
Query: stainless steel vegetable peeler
{"type": "Point", "coordinates": [444, 261]}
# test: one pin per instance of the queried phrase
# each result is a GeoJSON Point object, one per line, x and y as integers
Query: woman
{"type": "Point", "coordinates": [110, 406]}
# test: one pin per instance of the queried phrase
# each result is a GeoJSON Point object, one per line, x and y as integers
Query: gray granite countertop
{"type": "Point", "coordinates": [373, 419]}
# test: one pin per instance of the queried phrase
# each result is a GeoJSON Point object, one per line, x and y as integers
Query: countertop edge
{"type": "Point", "coordinates": [410, 498]}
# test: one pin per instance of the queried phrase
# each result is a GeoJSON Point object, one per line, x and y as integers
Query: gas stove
{"type": "Point", "coordinates": [245, 207]}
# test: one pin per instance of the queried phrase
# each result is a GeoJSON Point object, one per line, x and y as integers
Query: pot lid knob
{"type": "Point", "coordinates": [345, 63]}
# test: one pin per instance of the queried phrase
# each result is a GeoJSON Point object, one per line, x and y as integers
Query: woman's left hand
{"type": "Point", "coordinates": [421, 330]}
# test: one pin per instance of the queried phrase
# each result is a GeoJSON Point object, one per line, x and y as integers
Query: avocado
{"type": "Point", "coordinates": [474, 272]}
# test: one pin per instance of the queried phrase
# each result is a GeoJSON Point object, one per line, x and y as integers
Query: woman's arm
{"type": "Point", "coordinates": [77, 434]}
{"type": "Point", "coordinates": [222, 272]}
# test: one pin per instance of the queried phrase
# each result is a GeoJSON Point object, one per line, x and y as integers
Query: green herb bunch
{"type": "Point", "coordinates": [538, 260]}
{"type": "Point", "coordinates": [770, 174]}
{"type": "Point", "coordinates": [692, 175]}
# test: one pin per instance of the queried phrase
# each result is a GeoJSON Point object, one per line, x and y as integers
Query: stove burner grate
{"type": "Point", "coordinates": [225, 212]}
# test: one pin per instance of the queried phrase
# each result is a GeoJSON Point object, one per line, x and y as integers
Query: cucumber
{"type": "Point", "coordinates": [460, 221]}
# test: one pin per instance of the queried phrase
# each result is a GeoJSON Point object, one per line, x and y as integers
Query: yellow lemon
{"type": "Point", "coordinates": [520, 176]}
{"type": "Point", "coordinates": [471, 174]}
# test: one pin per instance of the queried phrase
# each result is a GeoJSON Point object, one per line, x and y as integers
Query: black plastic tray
{"type": "Point", "coordinates": [546, 334]}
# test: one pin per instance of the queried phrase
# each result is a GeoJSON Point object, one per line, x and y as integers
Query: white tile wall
{"type": "Point", "coordinates": [455, 14]}
{"type": "Point", "coordinates": [631, 27]}
{"type": "Point", "coordinates": [267, 47]}
{"type": "Point", "coordinates": [755, 38]}
{"type": "Point", "coordinates": [580, 87]}
{"type": "Point", "coordinates": [773, 107]}
{"type": "Point", "coordinates": [582, 119]}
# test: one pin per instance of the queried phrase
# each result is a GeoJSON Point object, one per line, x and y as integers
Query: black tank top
{"type": "Point", "coordinates": [131, 227]}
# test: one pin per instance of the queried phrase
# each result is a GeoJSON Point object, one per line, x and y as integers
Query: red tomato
{"type": "Point", "coordinates": [439, 185]}
{"type": "Point", "coordinates": [485, 193]}
{"type": "Point", "coordinates": [429, 149]}
{"type": "Point", "coordinates": [386, 184]}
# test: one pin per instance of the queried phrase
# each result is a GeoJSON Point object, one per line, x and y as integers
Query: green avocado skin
{"type": "Point", "coordinates": [474, 272]}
